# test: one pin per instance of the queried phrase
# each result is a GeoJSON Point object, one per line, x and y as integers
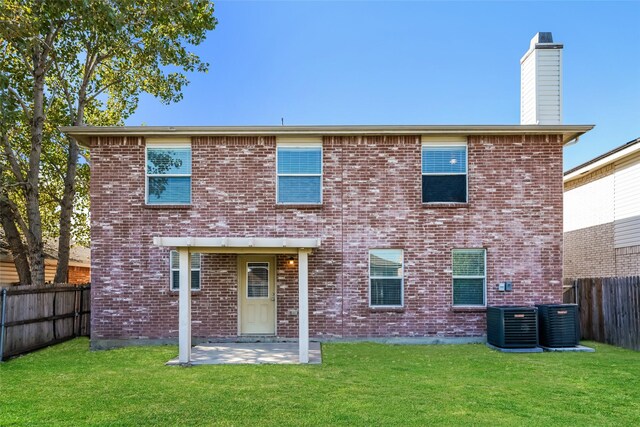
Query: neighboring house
{"type": "Point", "coordinates": [602, 215]}
{"type": "Point", "coordinates": [79, 264]}
{"type": "Point", "coordinates": [332, 232]}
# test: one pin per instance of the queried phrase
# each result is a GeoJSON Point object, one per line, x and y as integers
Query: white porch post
{"type": "Point", "coordinates": [184, 330]}
{"type": "Point", "coordinates": [303, 306]}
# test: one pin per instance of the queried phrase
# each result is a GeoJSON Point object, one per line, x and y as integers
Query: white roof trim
{"type": "Point", "coordinates": [238, 242]}
{"type": "Point", "coordinates": [602, 162]}
{"type": "Point", "coordinates": [83, 133]}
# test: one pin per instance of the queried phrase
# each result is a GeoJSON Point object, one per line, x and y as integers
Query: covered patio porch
{"type": "Point", "coordinates": [244, 246]}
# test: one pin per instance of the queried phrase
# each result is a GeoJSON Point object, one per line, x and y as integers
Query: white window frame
{"type": "Point", "coordinates": [484, 278]}
{"type": "Point", "coordinates": [268, 279]}
{"type": "Point", "coordinates": [307, 145]}
{"type": "Point", "coordinates": [401, 277]}
{"type": "Point", "coordinates": [166, 146]}
{"type": "Point", "coordinates": [172, 270]}
{"type": "Point", "coordinates": [444, 144]}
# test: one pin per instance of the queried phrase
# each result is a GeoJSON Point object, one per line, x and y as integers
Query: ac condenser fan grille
{"type": "Point", "coordinates": [512, 327]}
{"type": "Point", "coordinates": [559, 325]}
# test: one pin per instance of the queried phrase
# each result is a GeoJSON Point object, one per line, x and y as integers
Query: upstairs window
{"type": "Point", "coordinates": [386, 278]}
{"type": "Point", "coordinates": [299, 170]}
{"type": "Point", "coordinates": [196, 262]}
{"type": "Point", "coordinates": [444, 174]}
{"type": "Point", "coordinates": [168, 175]}
{"type": "Point", "coordinates": [469, 277]}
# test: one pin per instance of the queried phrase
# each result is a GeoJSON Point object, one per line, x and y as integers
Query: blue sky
{"type": "Point", "coordinates": [417, 62]}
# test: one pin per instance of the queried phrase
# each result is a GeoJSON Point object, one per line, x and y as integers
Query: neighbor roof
{"type": "Point", "coordinates": [78, 255]}
{"type": "Point", "coordinates": [84, 133]}
{"type": "Point", "coordinates": [617, 153]}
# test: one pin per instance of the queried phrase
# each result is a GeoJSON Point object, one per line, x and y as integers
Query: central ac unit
{"type": "Point", "coordinates": [512, 327]}
{"type": "Point", "coordinates": [559, 325]}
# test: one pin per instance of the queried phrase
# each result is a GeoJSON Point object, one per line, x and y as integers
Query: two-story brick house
{"type": "Point", "coordinates": [328, 232]}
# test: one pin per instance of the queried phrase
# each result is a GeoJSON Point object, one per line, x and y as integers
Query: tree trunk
{"type": "Point", "coordinates": [32, 189]}
{"type": "Point", "coordinates": [66, 211]}
{"type": "Point", "coordinates": [17, 248]}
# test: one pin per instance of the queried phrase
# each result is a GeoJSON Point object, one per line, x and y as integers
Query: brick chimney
{"type": "Point", "coordinates": [541, 82]}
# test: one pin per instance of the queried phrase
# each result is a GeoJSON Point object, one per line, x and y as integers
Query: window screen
{"type": "Point", "coordinates": [300, 175]}
{"type": "Point", "coordinates": [469, 277]}
{"type": "Point", "coordinates": [444, 174]}
{"type": "Point", "coordinates": [169, 175]}
{"type": "Point", "coordinates": [196, 260]}
{"type": "Point", "coordinates": [386, 277]}
{"type": "Point", "coordinates": [258, 280]}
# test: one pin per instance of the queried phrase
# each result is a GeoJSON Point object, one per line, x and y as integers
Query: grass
{"type": "Point", "coordinates": [357, 384]}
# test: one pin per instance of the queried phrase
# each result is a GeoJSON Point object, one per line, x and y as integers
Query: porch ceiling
{"type": "Point", "coordinates": [240, 244]}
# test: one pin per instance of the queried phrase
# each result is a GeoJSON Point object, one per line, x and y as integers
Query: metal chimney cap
{"type": "Point", "coordinates": [543, 38]}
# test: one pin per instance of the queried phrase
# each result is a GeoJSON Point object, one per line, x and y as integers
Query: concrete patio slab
{"type": "Point", "coordinates": [578, 348]}
{"type": "Point", "coordinates": [515, 350]}
{"type": "Point", "coordinates": [250, 354]}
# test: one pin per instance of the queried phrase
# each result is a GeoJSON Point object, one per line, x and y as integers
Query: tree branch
{"type": "Point", "coordinates": [15, 184]}
{"type": "Point", "coordinates": [18, 217]}
{"type": "Point", "coordinates": [48, 43]}
{"type": "Point", "coordinates": [90, 65]}
{"type": "Point", "coordinates": [25, 108]}
{"type": "Point", "coordinates": [103, 89]}
{"type": "Point", "coordinates": [13, 162]}
{"type": "Point", "coordinates": [64, 85]}
{"type": "Point", "coordinates": [52, 163]}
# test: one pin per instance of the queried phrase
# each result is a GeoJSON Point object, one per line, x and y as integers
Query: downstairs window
{"type": "Point", "coordinates": [196, 261]}
{"type": "Point", "coordinates": [386, 278]}
{"type": "Point", "coordinates": [469, 277]}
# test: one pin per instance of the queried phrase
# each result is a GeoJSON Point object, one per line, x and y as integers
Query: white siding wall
{"type": "Point", "coordinates": [615, 198]}
{"type": "Point", "coordinates": [528, 90]}
{"type": "Point", "coordinates": [589, 205]}
{"type": "Point", "coordinates": [627, 203]}
{"type": "Point", "coordinates": [8, 273]}
{"type": "Point", "coordinates": [549, 86]}
{"type": "Point", "coordinates": [541, 87]}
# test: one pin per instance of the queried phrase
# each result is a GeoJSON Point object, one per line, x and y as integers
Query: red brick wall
{"type": "Point", "coordinates": [79, 275]}
{"type": "Point", "coordinates": [371, 199]}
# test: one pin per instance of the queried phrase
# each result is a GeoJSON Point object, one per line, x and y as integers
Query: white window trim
{"type": "Point", "coordinates": [166, 145]}
{"type": "Point", "coordinates": [268, 279]}
{"type": "Point", "coordinates": [445, 144]}
{"type": "Point", "coordinates": [484, 289]}
{"type": "Point", "coordinates": [171, 270]}
{"type": "Point", "coordinates": [278, 174]}
{"type": "Point", "coordinates": [387, 277]}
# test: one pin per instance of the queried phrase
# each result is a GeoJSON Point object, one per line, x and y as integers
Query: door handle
{"type": "Point", "coordinates": [273, 296]}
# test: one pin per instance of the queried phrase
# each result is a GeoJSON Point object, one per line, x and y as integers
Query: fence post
{"type": "Point", "coordinates": [79, 311]}
{"type": "Point", "coordinates": [53, 322]}
{"type": "Point", "coordinates": [2, 321]}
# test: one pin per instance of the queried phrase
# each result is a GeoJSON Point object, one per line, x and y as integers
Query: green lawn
{"type": "Point", "coordinates": [357, 384]}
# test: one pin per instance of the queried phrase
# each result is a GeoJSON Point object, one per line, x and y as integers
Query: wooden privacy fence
{"type": "Point", "coordinates": [32, 317]}
{"type": "Point", "coordinates": [609, 309]}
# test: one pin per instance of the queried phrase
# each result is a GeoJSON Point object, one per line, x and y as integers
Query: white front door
{"type": "Point", "coordinates": [257, 291]}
